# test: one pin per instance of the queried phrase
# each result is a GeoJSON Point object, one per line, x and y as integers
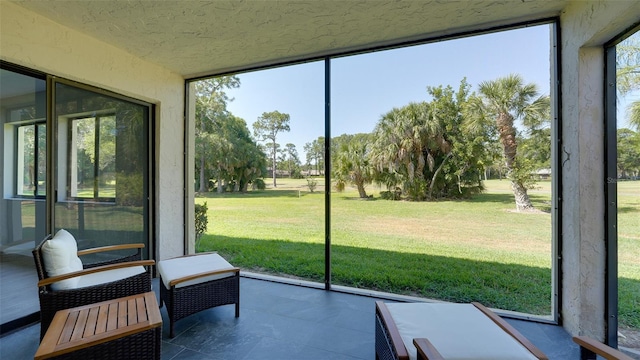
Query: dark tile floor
{"type": "Point", "coordinates": [279, 321]}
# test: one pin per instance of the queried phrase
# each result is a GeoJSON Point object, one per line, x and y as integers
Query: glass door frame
{"type": "Point", "coordinates": [611, 186]}
{"type": "Point", "coordinates": [52, 130]}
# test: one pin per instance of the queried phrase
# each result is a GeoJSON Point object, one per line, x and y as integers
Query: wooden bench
{"type": "Point", "coordinates": [124, 328]}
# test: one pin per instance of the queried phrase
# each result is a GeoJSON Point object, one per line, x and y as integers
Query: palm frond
{"type": "Point", "coordinates": [633, 111]}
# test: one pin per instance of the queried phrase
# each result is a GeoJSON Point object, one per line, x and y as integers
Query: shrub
{"type": "Point", "coordinates": [200, 220]}
{"type": "Point", "coordinates": [391, 195]}
{"type": "Point", "coordinates": [129, 189]}
{"type": "Point", "coordinates": [296, 174]}
{"type": "Point", "coordinates": [311, 184]}
{"type": "Point", "coordinates": [259, 184]}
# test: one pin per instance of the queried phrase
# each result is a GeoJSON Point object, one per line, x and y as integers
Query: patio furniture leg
{"type": "Point", "coordinates": [586, 354]}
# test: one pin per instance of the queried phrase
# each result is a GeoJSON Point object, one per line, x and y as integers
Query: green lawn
{"type": "Point", "coordinates": [477, 250]}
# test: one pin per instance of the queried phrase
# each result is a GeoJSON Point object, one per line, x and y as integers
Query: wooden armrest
{"type": "Point", "coordinates": [599, 348]}
{"type": "Point", "coordinates": [396, 339]}
{"type": "Point", "coordinates": [511, 331]}
{"type": "Point", "coordinates": [175, 282]}
{"type": "Point", "coordinates": [426, 350]}
{"type": "Point", "coordinates": [51, 280]}
{"type": "Point", "coordinates": [196, 254]}
{"type": "Point", "coordinates": [110, 248]}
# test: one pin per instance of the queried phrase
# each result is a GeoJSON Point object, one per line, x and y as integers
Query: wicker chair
{"type": "Point", "coordinates": [52, 300]}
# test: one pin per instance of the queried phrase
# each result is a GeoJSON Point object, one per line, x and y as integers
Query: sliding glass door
{"type": "Point", "coordinates": [101, 162]}
{"type": "Point", "coordinates": [23, 182]}
{"type": "Point", "coordinates": [74, 158]}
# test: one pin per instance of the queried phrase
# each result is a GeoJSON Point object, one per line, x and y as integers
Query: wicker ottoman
{"type": "Point", "coordinates": [192, 283]}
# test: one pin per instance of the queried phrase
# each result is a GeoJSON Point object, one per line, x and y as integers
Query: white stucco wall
{"type": "Point", "coordinates": [35, 42]}
{"type": "Point", "coordinates": [585, 27]}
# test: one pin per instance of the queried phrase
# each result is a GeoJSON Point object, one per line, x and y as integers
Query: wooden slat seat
{"type": "Point", "coordinates": [130, 325]}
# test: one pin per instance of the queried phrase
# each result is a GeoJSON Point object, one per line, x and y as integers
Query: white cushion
{"type": "Point", "coordinates": [177, 268]}
{"type": "Point", "coordinates": [102, 277]}
{"type": "Point", "coordinates": [60, 256]}
{"type": "Point", "coordinates": [457, 331]}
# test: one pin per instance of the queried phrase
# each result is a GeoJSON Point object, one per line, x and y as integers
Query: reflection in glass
{"type": "Point", "coordinates": [102, 171]}
{"type": "Point", "coordinates": [22, 180]}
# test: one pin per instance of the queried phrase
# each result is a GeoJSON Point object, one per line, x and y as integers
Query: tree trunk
{"type": "Point", "coordinates": [219, 181]}
{"type": "Point", "coordinates": [203, 187]}
{"type": "Point", "coordinates": [510, 147]}
{"type": "Point", "coordinates": [433, 178]}
{"type": "Point", "coordinates": [361, 191]}
{"type": "Point", "coordinates": [523, 203]}
{"type": "Point", "coordinates": [202, 180]}
{"type": "Point", "coordinates": [273, 169]}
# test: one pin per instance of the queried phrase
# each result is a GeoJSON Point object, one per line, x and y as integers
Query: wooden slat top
{"type": "Point", "coordinates": [90, 325]}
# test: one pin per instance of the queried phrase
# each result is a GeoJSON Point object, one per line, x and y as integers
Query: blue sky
{"type": "Point", "coordinates": [364, 87]}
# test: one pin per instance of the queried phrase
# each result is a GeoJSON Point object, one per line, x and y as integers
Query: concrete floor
{"type": "Point", "coordinates": [280, 321]}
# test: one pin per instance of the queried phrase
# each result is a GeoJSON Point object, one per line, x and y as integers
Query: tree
{"type": "Point", "coordinates": [240, 161]}
{"type": "Point", "coordinates": [409, 141]}
{"type": "Point", "coordinates": [628, 153]}
{"type": "Point", "coordinates": [266, 128]}
{"type": "Point", "coordinates": [211, 107]}
{"type": "Point", "coordinates": [290, 158]}
{"type": "Point", "coordinates": [633, 112]}
{"type": "Point", "coordinates": [458, 175]}
{"type": "Point", "coordinates": [506, 100]}
{"type": "Point", "coordinates": [315, 153]}
{"type": "Point", "coordinates": [351, 163]}
{"type": "Point", "coordinates": [422, 152]}
{"type": "Point", "coordinates": [628, 74]}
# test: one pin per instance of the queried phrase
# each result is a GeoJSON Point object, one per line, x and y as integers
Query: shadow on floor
{"type": "Point", "coordinates": [281, 321]}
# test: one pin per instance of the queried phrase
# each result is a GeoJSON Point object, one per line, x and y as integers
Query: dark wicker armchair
{"type": "Point", "coordinates": [52, 300]}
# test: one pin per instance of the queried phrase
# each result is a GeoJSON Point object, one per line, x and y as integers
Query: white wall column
{"type": "Point", "coordinates": [64, 52]}
{"type": "Point", "coordinates": [585, 27]}
{"type": "Point", "coordinates": [583, 251]}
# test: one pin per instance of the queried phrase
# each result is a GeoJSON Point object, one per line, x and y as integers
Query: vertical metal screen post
{"type": "Point", "coordinates": [611, 198]}
{"type": "Point", "coordinates": [51, 148]}
{"type": "Point", "coordinates": [327, 173]}
{"type": "Point", "coordinates": [556, 163]}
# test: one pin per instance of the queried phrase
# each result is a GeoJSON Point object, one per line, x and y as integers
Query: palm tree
{"type": "Point", "coordinates": [407, 142]}
{"type": "Point", "coordinates": [506, 100]}
{"type": "Point", "coordinates": [352, 164]}
{"type": "Point", "coordinates": [634, 114]}
{"type": "Point", "coordinates": [628, 74]}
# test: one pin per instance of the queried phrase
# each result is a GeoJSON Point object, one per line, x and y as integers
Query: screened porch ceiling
{"type": "Point", "coordinates": [195, 38]}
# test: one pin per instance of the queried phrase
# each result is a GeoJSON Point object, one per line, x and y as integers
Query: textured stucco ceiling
{"type": "Point", "coordinates": [205, 37]}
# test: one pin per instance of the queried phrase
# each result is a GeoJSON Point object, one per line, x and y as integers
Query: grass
{"type": "Point", "coordinates": [477, 250]}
